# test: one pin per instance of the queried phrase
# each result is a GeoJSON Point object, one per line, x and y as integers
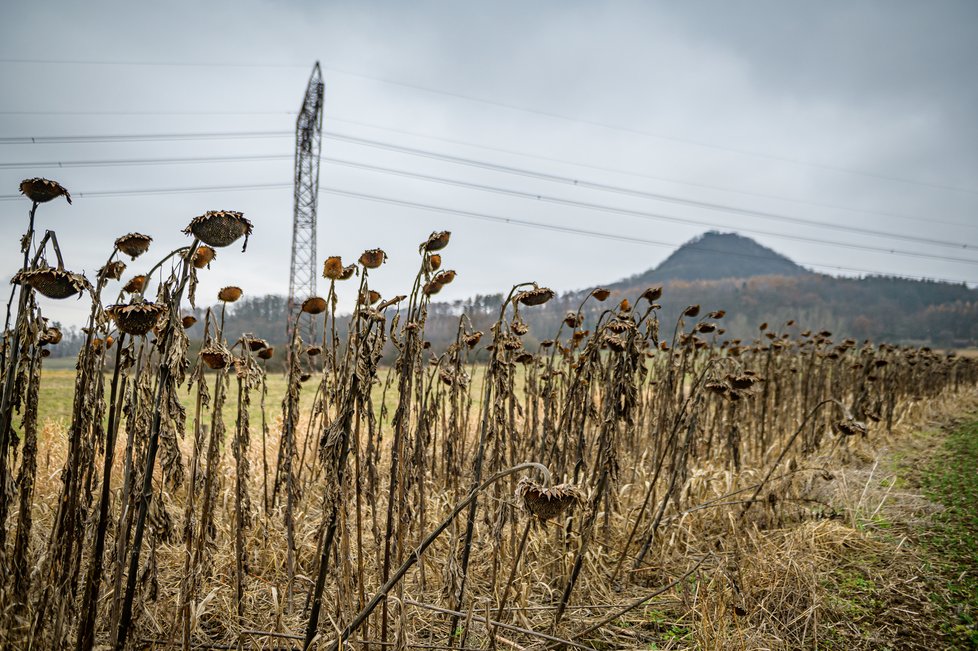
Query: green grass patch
{"type": "Point", "coordinates": [952, 540]}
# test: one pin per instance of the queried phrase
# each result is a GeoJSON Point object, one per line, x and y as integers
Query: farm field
{"type": "Point", "coordinates": [625, 483]}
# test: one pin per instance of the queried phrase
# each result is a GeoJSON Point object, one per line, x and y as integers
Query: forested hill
{"type": "Point", "coordinates": [713, 256]}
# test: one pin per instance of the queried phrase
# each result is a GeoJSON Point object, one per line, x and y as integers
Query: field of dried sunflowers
{"type": "Point", "coordinates": [607, 490]}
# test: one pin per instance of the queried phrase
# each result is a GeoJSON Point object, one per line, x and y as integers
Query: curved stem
{"type": "Point", "coordinates": [787, 447]}
{"type": "Point", "coordinates": [429, 539]}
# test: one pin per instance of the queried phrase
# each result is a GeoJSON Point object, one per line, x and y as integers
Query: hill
{"type": "Point", "coordinates": [714, 256]}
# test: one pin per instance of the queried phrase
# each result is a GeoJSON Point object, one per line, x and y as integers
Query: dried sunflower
{"type": "Point", "coordinates": [373, 258]}
{"type": "Point", "coordinates": [851, 427]}
{"type": "Point", "coordinates": [652, 294]}
{"type": "Point", "coordinates": [547, 503]}
{"type": "Point", "coordinates": [333, 268]}
{"type": "Point", "coordinates": [112, 271]}
{"type": "Point", "coordinates": [314, 305]}
{"type": "Point", "coordinates": [53, 283]}
{"type": "Point", "coordinates": [220, 228]}
{"type": "Point", "coordinates": [216, 357]}
{"type": "Point", "coordinates": [445, 277]}
{"type": "Point", "coordinates": [254, 344]}
{"type": "Point", "coordinates": [136, 318]}
{"type": "Point", "coordinates": [135, 284]}
{"type": "Point", "coordinates": [229, 294]}
{"type": "Point", "coordinates": [436, 242]}
{"type": "Point", "coordinates": [41, 190]}
{"type": "Point", "coordinates": [203, 256]}
{"type": "Point", "coordinates": [537, 296]}
{"type": "Point", "coordinates": [369, 297]}
{"type": "Point", "coordinates": [50, 337]}
{"type": "Point", "coordinates": [133, 244]}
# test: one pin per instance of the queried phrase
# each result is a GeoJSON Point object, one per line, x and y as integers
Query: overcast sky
{"type": "Point", "coordinates": [849, 115]}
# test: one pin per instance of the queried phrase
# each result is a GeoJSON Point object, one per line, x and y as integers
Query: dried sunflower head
{"type": "Point", "coordinates": [601, 293]}
{"type": "Point", "coordinates": [369, 297]}
{"type": "Point", "coordinates": [137, 318]}
{"type": "Point", "coordinates": [851, 427]}
{"type": "Point", "coordinates": [41, 190]}
{"type": "Point", "coordinates": [220, 228]}
{"type": "Point", "coordinates": [133, 244]}
{"type": "Point", "coordinates": [717, 387]}
{"type": "Point", "coordinates": [436, 242]}
{"type": "Point", "coordinates": [53, 283]}
{"type": "Point", "coordinates": [431, 288]}
{"type": "Point", "coordinates": [112, 271]}
{"type": "Point", "coordinates": [547, 503]}
{"type": "Point", "coordinates": [188, 321]}
{"type": "Point", "coordinates": [266, 353]}
{"type": "Point", "coordinates": [203, 256]}
{"type": "Point", "coordinates": [135, 285]}
{"type": "Point", "coordinates": [254, 344]}
{"type": "Point", "coordinates": [50, 336]}
{"type": "Point", "coordinates": [229, 294]}
{"type": "Point", "coordinates": [432, 263]}
{"type": "Point", "coordinates": [333, 268]}
{"type": "Point", "coordinates": [445, 277]}
{"type": "Point", "coordinates": [472, 339]}
{"type": "Point", "coordinates": [314, 305]}
{"type": "Point", "coordinates": [537, 296]}
{"type": "Point", "coordinates": [615, 343]}
{"type": "Point", "coordinates": [652, 294]}
{"type": "Point", "coordinates": [216, 357]}
{"type": "Point", "coordinates": [373, 258]}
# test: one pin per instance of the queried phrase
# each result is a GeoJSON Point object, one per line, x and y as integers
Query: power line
{"type": "Point", "coordinates": [529, 110]}
{"type": "Point", "coordinates": [566, 181]}
{"type": "Point", "coordinates": [178, 113]}
{"type": "Point", "coordinates": [144, 137]}
{"type": "Point", "coordinates": [162, 64]}
{"type": "Point", "coordinates": [600, 168]}
{"type": "Point", "coordinates": [633, 213]}
{"type": "Point", "coordinates": [471, 215]}
{"type": "Point", "coordinates": [147, 161]}
{"type": "Point", "coordinates": [655, 196]}
{"type": "Point", "coordinates": [640, 175]}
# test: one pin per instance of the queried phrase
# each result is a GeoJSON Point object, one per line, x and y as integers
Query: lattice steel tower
{"type": "Point", "coordinates": [308, 138]}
